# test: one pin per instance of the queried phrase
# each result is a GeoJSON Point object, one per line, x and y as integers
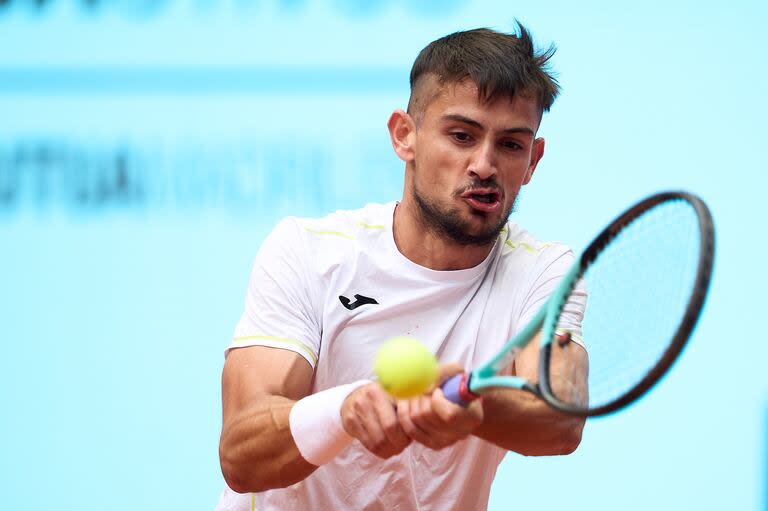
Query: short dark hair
{"type": "Point", "coordinates": [499, 64]}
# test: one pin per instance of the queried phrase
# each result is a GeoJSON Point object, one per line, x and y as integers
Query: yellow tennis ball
{"type": "Point", "coordinates": [405, 367]}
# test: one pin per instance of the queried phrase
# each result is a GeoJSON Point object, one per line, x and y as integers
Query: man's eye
{"type": "Point", "coordinates": [460, 136]}
{"type": "Point", "coordinates": [511, 144]}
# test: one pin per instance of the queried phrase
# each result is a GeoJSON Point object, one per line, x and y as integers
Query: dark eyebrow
{"type": "Point", "coordinates": [474, 123]}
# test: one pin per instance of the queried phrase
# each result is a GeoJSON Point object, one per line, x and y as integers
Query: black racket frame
{"type": "Point", "coordinates": [687, 323]}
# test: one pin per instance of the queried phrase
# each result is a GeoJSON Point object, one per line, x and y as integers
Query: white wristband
{"type": "Point", "coordinates": [316, 423]}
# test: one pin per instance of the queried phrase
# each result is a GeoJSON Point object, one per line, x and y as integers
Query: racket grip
{"type": "Point", "coordinates": [456, 389]}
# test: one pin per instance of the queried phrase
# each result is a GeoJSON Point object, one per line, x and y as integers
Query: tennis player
{"type": "Point", "coordinates": [304, 427]}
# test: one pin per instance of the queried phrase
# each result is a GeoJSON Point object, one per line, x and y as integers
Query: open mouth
{"type": "Point", "coordinates": [484, 197]}
{"type": "Point", "coordinates": [483, 200]}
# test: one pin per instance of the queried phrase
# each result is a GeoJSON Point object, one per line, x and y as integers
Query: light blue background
{"type": "Point", "coordinates": [113, 317]}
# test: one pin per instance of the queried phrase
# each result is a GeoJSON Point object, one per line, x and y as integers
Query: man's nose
{"type": "Point", "coordinates": [483, 163]}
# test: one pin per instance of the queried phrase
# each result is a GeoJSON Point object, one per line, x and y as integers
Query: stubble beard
{"type": "Point", "coordinates": [447, 222]}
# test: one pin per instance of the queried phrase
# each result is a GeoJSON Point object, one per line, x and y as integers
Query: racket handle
{"type": "Point", "coordinates": [456, 389]}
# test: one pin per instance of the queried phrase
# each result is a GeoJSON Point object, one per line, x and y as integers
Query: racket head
{"type": "Point", "coordinates": [664, 246]}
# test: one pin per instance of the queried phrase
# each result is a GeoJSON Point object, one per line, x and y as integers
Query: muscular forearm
{"type": "Point", "coordinates": [257, 450]}
{"type": "Point", "coordinates": [525, 424]}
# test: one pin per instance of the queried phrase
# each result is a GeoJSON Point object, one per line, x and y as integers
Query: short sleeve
{"type": "Point", "coordinates": [547, 275]}
{"type": "Point", "coordinates": [279, 301]}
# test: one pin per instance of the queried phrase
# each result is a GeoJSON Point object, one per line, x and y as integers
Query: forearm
{"type": "Point", "coordinates": [523, 423]}
{"type": "Point", "coordinates": [257, 450]}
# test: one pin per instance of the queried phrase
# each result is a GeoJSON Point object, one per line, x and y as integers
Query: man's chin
{"type": "Point", "coordinates": [468, 226]}
{"type": "Point", "coordinates": [484, 234]}
{"type": "Point", "coordinates": [480, 223]}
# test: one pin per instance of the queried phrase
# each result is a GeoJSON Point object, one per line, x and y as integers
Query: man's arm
{"type": "Point", "coordinates": [521, 422]}
{"type": "Point", "coordinates": [259, 387]}
{"type": "Point", "coordinates": [512, 419]}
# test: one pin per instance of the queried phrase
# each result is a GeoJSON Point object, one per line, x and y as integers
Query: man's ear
{"type": "Point", "coordinates": [402, 132]}
{"type": "Point", "coordinates": [537, 152]}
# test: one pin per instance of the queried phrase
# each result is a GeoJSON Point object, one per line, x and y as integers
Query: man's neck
{"type": "Point", "coordinates": [433, 250]}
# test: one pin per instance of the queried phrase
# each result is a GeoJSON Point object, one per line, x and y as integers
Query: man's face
{"type": "Point", "coordinates": [470, 160]}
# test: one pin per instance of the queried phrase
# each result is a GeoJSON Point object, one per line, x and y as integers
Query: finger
{"type": "Point", "coordinates": [446, 410]}
{"type": "Point", "coordinates": [464, 419]}
{"type": "Point", "coordinates": [350, 413]}
{"type": "Point", "coordinates": [385, 435]}
{"type": "Point", "coordinates": [445, 371]}
{"type": "Point", "coordinates": [439, 434]}
{"type": "Point", "coordinates": [386, 414]}
{"type": "Point", "coordinates": [404, 409]}
{"type": "Point", "coordinates": [423, 415]}
{"type": "Point", "coordinates": [368, 430]}
{"type": "Point", "coordinates": [452, 424]}
{"type": "Point", "coordinates": [362, 421]}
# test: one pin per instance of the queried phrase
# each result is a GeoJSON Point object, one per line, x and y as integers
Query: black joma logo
{"type": "Point", "coordinates": [359, 300]}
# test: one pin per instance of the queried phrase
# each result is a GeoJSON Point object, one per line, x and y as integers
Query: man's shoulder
{"type": "Point", "coordinates": [333, 238]}
{"type": "Point", "coordinates": [349, 225]}
{"type": "Point", "coordinates": [520, 245]}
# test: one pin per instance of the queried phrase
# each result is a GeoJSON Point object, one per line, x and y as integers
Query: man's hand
{"type": "Point", "coordinates": [368, 414]}
{"type": "Point", "coordinates": [434, 421]}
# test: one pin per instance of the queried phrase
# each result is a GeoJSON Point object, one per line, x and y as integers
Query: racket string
{"type": "Point", "coordinates": [636, 292]}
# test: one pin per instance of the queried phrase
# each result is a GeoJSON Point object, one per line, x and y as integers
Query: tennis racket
{"type": "Point", "coordinates": [645, 278]}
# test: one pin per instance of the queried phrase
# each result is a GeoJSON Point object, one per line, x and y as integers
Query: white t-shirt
{"type": "Point", "coordinates": [305, 272]}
